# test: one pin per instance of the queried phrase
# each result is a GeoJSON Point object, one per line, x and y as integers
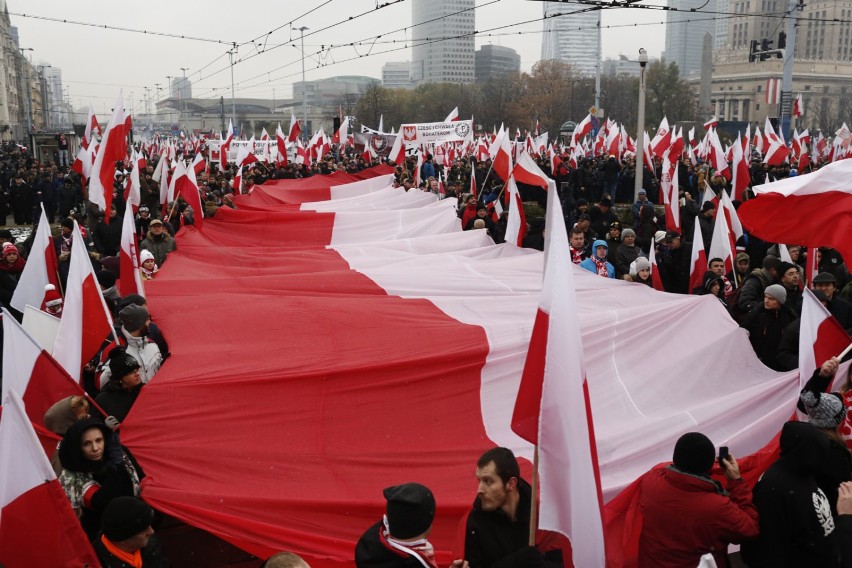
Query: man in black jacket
{"type": "Point", "coordinates": [127, 537]}
{"type": "Point", "coordinates": [498, 527]}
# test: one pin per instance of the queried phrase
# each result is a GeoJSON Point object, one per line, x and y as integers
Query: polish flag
{"type": "Point", "coordinates": [92, 128]}
{"type": "Point", "coordinates": [397, 151]}
{"type": "Point", "coordinates": [86, 321]}
{"type": "Point", "coordinates": [38, 527]}
{"type": "Point", "coordinates": [720, 244]}
{"type": "Point", "coordinates": [84, 161]}
{"type": "Point", "coordinates": [821, 336]}
{"type": "Point", "coordinates": [777, 153]}
{"type": "Point", "coordinates": [165, 181]}
{"type": "Point", "coordinates": [516, 224]}
{"type": "Point", "coordinates": [583, 128]}
{"type": "Point", "coordinates": [735, 227]}
{"type": "Point", "coordinates": [264, 135]}
{"type": "Point", "coordinates": [553, 410]}
{"type": "Point", "coordinates": [671, 198]}
{"type": "Point", "coordinates": [198, 164]}
{"type": "Point", "coordinates": [301, 154]}
{"type": "Point", "coordinates": [342, 134]}
{"type": "Point", "coordinates": [717, 155]}
{"type": "Point", "coordinates": [712, 123]}
{"type": "Point", "coordinates": [698, 260]}
{"type": "Point", "coordinates": [112, 149]}
{"type": "Point", "coordinates": [453, 116]}
{"type": "Point", "coordinates": [813, 209]}
{"type": "Point", "coordinates": [798, 106]}
{"type": "Point", "coordinates": [281, 145]}
{"type": "Point", "coordinates": [502, 164]}
{"type": "Point", "coordinates": [130, 278]}
{"type": "Point", "coordinates": [295, 129]}
{"type": "Point", "coordinates": [812, 268]}
{"type": "Point", "coordinates": [741, 178]}
{"type": "Point", "coordinates": [29, 369]}
{"type": "Point", "coordinates": [656, 280]}
{"type": "Point", "coordinates": [473, 189]}
{"type": "Point", "coordinates": [238, 182]}
{"type": "Point", "coordinates": [662, 139]}
{"type": "Point", "coordinates": [245, 155]}
{"type": "Point", "coordinates": [41, 269]}
{"type": "Point", "coordinates": [186, 185]}
{"type": "Point", "coordinates": [225, 146]}
{"type": "Point", "coordinates": [758, 143]}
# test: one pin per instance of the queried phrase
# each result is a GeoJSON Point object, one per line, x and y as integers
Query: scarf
{"type": "Point", "coordinates": [18, 266]}
{"type": "Point", "coordinates": [602, 269]}
{"type": "Point", "coordinates": [65, 245]}
{"type": "Point", "coordinates": [132, 558]}
{"type": "Point", "coordinates": [149, 274]}
{"type": "Point", "coordinates": [420, 549]}
{"type": "Point", "coordinates": [576, 255]}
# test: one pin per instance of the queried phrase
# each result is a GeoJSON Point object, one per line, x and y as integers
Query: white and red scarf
{"type": "Point", "coordinates": [420, 549]}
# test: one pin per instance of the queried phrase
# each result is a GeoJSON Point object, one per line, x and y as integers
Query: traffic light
{"type": "Point", "coordinates": [782, 40]}
{"type": "Point", "coordinates": [765, 45]}
{"type": "Point", "coordinates": [752, 54]}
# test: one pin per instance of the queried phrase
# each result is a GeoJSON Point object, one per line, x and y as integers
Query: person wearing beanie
{"type": "Point", "coordinates": [148, 265]}
{"type": "Point", "coordinates": [52, 303]}
{"type": "Point", "coordinates": [497, 528]}
{"type": "Point", "coordinates": [124, 385]}
{"type": "Point", "coordinates": [827, 411]}
{"type": "Point", "coordinates": [756, 282]}
{"type": "Point", "coordinates": [12, 262]}
{"type": "Point", "coordinates": [107, 280]}
{"type": "Point", "coordinates": [687, 514]}
{"type": "Point", "coordinates": [796, 522]}
{"type": "Point", "coordinates": [712, 285]}
{"type": "Point", "coordinates": [133, 337]}
{"type": "Point", "coordinates": [767, 323]}
{"type": "Point", "coordinates": [400, 539]}
{"type": "Point", "coordinates": [706, 221]}
{"type": "Point", "coordinates": [154, 333]}
{"type": "Point", "coordinates": [790, 279]}
{"type": "Point", "coordinates": [126, 537]}
{"type": "Point", "coordinates": [627, 252]}
{"type": "Point", "coordinates": [96, 469]}
{"type": "Point", "coordinates": [597, 263]}
{"type": "Point", "coordinates": [640, 272]}
{"type": "Point", "coordinates": [613, 241]}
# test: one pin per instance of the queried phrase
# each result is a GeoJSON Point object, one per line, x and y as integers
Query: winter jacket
{"type": "Point", "coordinates": [796, 525]}
{"type": "Point", "coordinates": [624, 256]}
{"type": "Point", "coordinates": [116, 400]}
{"type": "Point", "coordinates": [753, 287]}
{"type": "Point", "coordinates": [686, 516]}
{"type": "Point", "coordinates": [590, 265]}
{"type": "Point", "coordinates": [766, 328]}
{"type": "Point", "coordinates": [374, 551]}
{"type": "Point", "coordinates": [146, 353]}
{"type": "Point", "coordinates": [152, 555]}
{"type": "Point", "coordinates": [160, 246]}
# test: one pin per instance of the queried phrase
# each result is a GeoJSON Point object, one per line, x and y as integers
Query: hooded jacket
{"type": "Point", "coordinates": [796, 525]}
{"type": "Point", "coordinates": [91, 485]}
{"type": "Point", "coordinates": [589, 263]}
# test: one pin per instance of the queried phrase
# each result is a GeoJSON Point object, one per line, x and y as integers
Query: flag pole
{"type": "Point", "coordinates": [534, 499]}
{"type": "Point", "coordinates": [845, 352]}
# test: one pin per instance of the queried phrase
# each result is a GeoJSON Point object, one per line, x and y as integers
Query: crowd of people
{"type": "Point", "coordinates": [800, 513]}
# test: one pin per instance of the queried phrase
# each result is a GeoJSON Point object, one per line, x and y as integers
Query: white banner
{"type": "Point", "coordinates": [437, 132]}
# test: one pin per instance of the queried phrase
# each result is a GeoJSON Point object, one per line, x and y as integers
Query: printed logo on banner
{"type": "Point", "coordinates": [462, 129]}
{"type": "Point", "coordinates": [409, 133]}
{"type": "Point", "coordinates": [378, 142]}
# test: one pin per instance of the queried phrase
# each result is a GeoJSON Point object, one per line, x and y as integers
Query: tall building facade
{"type": "Point", "coordinates": [396, 75]}
{"type": "Point", "coordinates": [572, 34]}
{"type": "Point", "coordinates": [442, 41]}
{"type": "Point", "coordinates": [181, 88]}
{"type": "Point", "coordinates": [684, 32]}
{"type": "Point", "coordinates": [495, 61]}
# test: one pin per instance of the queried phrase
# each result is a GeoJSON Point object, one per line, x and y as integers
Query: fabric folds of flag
{"type": "Point", "coordinates": [38, 527]}
{"type": "Point", "coordinates": [552, 409]}
{"type": "Point", "coordinates": [813, 209]}
{"type": "Point", "coordinates": [295, 128]}
{"type": "Point", "coordinates": [41, 269]}
{"type": "Point", "coordinates": [86, 321]}
{"type": "Point", "coordinates": [186, 185]}
{"type": "Point", "coordinates": [112, 149]}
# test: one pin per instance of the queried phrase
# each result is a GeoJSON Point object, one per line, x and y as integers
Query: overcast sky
{"type": "Point", "coordinates": [96, 62]}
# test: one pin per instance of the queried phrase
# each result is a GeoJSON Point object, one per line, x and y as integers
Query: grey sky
{"type": "Point", "coordinates": [95, 62]}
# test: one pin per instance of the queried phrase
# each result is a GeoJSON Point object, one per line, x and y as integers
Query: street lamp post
{"type": "Point", "coordinates": [304, 85]}
{"type": "Point", "coordinates": [640, 130]}
{"type": "Point", "coordinates": [182, 88]}
{"type": "Point", "coordinates": [26, 91]}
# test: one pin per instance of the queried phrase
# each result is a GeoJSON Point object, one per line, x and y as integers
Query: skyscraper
{"type": "Point", "coordinates": [684, 34]}
{"type": "Point", "coordinates": [443, 41]}
{"type": "Point", "coordinates": [496, 61]}
{"type": "Point", "coordinates": [571, 34]}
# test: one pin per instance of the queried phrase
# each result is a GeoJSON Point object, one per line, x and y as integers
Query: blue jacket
{"type": "Point", "coordinates": [589, 263]}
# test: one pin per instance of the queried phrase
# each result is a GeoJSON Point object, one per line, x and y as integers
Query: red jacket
{"type": "Point", "coordinates": [686, 516]}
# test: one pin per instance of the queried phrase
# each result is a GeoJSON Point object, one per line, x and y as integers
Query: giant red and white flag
{"type": "Point", "coordinates": [130, 279]}
{"type": "Point", "coordinates": [295, 128]}
{"type": "Point", "coordinates": [821, 336]}
{"type": "Point", "coordinates": [41, 269]}
{"type": "Point", "coordinates": [813, 209]}
{"type": "Point", "coordinates": [720, 244]}
{"type": "Point", "coordinates": [553, 410]}
{"type": "Point", "coordinates": [38, 527]}
{"type": "Point", "coordinates": [112, 149]}
{"type": "Point", "coordinates": [86, 321]}
{"type": "Point", "coordinates": [698, 260]}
